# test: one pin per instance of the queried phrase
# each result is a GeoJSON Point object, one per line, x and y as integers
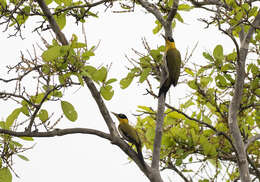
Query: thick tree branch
{"type": "Point", "coordinates": [102, 107]}
{"type": "Point", "coordinates": [152, 9]}
{"type": "Point", "coordinates": [209, 2]}
{"type": "Point", "coordinates": [158, 132]}
{"type": "Point", "coordinates": [161, 101]}
{"type": "Point", "coordinates": [57, 132]}
{"type": "Point", "coordinates": [235, 104]}
{"type": "Point", "coordinates": [172, 13]}
{"type": "Point", "coordinates": [54, 26]}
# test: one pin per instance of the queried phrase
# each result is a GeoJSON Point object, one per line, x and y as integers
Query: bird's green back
{"type": "Point", "coordinates": [129, 133]}
{"type": "Point", "coordinates": [173, 60]}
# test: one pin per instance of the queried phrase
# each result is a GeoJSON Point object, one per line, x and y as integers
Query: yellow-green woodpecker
{"type": "Point", "coordinates": [129, 134]}
{"type": "Point", "coordinates": [173, 65]}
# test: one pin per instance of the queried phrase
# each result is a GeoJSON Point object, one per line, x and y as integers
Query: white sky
{"type": "Point", "coordinates": [81, 158]}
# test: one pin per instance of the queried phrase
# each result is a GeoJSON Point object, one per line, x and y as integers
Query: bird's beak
{"type": "Point", "coordinates": [164, 37]}
{"type": "Point", "coordinates": [115, 114]}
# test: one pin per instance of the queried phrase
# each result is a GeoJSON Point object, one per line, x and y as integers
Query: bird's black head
{"type": "Point", "coordinates": [122, 116]}
{"type": "Point", "coordinates": [170, 39]}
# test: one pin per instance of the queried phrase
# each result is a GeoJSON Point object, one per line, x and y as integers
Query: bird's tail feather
{"type": "Point", "coordinates": [164, 88]}
{"type": "Point", "coordinates": [140, 154]}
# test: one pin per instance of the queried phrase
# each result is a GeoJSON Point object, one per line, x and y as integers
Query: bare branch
{"type": "Point", "coordinates": [209, 2]}
{"type": "Point", "coordinates": [158, 132]}
{"type": "Point", "coordinates": [251, 140]}
{"type": "Point", "coordinates": [38, 107]}
{"type": "Point", "coordinates": [57, 132]}
{"type": "Point", "coordinates": [152, 9]}
{"type": "Point", "coordinates": [247, 37]}
{"type": "Point", "coordinates": [172, 13]}
{"type": "Point", "coordinates": [171, 166]}
{"type": "Point", "coordinates": [55, 27]}
{"type": "Point", "coordinates": [102, 107]}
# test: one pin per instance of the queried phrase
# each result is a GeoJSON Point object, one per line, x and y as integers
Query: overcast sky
{"type": "Point", "coordinates": [81, 158]}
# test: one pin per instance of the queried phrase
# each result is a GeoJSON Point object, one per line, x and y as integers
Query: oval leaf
{"type": "Point", "coordinates": [5, 175]}
{"type": "Point", "coordinates": [100, 75]}
{"type": "Point", "coordinates": [69, 111]}
{"type": "Point", "coordinates": [218, 52]}
{"type": "Point", "coordinates": [23, 157]}
{"type": "Point", "coordinates": [51, 54]}
{"type": "Point", "coordinates": [13, 116]}
{"type": "Point", "coordinates": [43, 115]}
{"type": "Point", "coordinates": [107, 92]}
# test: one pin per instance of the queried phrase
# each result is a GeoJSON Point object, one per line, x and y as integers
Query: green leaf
{"type": "Point", "coordinates": [92, 14]}
{"type": "Point", "coordinates": [5, 175]}
{"type": "Point", "coordinates": [87, 54]}
{"type": "Point", "coordinates": [204, 81]}
{"type": "Point", "coordinates": [145, 108]}
{"type": "Point", "coordinates": [23, 157]}
{"type": "Point", "coordinates": [112, 80]}
{"type": "Point", "coordinates": [69, 111]}
{"type": "Point", "coordinates": [208, 56]}
{"type": "Point", "coordinates": [88, 71]}
{"type": "Point", "coordinates": [3, 4]}
{"type": "Point", "coordinates": [184, 7]}
{"type": "Point", "coordinates": [51, 54]}
{"type": "Point", "coordinates": [156, 55]}
{"type": "Point", "coordinates": [221, 81]}
{"type": "Point", "coordinates": [100, 75]}
{"type": "Point", "coordinates": [48, 2]}
{"type": "Point", "coordinates": [227, 67]}
{"type": "Point", "coordinates": [107, 92]}
{"type": "Point", "coordinates": [144, 74]}
{"type": "Point", "coordinates": [78, 45]}
{"type": "Point", "coordinates": [37, 99]}
{"type": "Point", "coordinates": [158, 27]}
{"type": "Point", "coordinates": [179, 18]}
{"type": "Point", "coordinates": [176, 115]}
{"type": "Point", "coordinates": [24, 110]}
{"type": "Point", "coordinates": [43, 115]}
{"type": "Point", "coordinates": [192, 84]}
{"type": "Point", "coordinates": [61, 20]}
{"type": "Point", "coordinates": [189, 71]}
{"type": "Point", "coordinates": [12, 117]}
{"type": "Point", "coordinates": [218, 52]}
{"type": "Point", "coordinates": [27, 138]}
{"type": "Point", "coordinates": [80, 79]}
{"type": "Point", "coordinates": [232, 56]}
{"type": "Point", "coordinates": [125, 82]}
{"type": "Point", "coordinates": [46, 69]}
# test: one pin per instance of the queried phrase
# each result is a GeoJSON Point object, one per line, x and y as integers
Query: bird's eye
{"type": "Point", "coordinates": [122, 116]}
{"type": "Point", "coordinates": [171, 39]}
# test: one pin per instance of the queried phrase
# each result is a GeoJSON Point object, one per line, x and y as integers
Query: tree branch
{"type": "Point", "coordinates": [102, 107]}
{"type": "Point", "coordinates": [235, 104]}
{"type": "Point", "coordinates": [57, 132]}
{"type": "Point", "coordinates": [171, 166]}
{"type": "Point", "coordinates": [54, 26]}
{"type": "Point", "coordinates": [251, 140]}
{"type": "Point", "coordinates": [172, 13]}
{"type": "Point", "coordinates": [152, 9]}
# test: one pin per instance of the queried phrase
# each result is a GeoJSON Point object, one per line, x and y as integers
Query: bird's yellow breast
{"type": "Point", "coordinates": [170, 45]}
{"type": "Point", "coordinates": [123, 121]}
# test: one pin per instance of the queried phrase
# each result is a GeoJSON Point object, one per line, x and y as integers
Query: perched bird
{"type": "Point", "coordinates": [129, 134]}
{"type": "Point", "coordinates": [173, 65]}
